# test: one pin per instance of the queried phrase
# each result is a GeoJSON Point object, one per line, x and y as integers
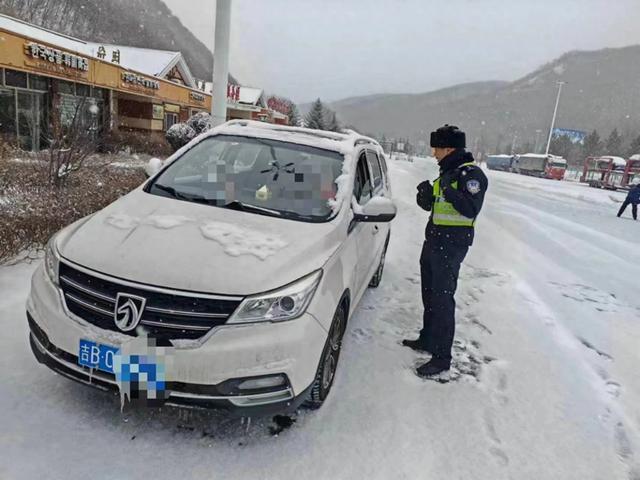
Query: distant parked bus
{"type": "Point", "coordinates": [543, 166]}
{"type": "Point", "coordinates": [500, 162]}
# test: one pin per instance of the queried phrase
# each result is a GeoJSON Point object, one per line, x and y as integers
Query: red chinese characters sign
{"type": "Point", "coordinates": [233, 93]}
{"type": "Point", "coordinates": [279, 105]}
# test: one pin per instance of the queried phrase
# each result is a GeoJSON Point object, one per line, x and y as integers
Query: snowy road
{"type": "Point", "coordinates": [547, 346]}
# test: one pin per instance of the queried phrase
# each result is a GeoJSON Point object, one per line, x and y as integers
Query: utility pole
{"type": "Point", "coordinates": [221, 62]}
{"type": "Point", "coordinates": [553, 120]}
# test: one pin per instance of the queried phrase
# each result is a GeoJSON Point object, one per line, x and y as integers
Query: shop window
{"type": "Point", "coordinates": [66, 87]}
{"type": "Point", "coordinates": [7, 112]}
{"type": "Point", "coordinates": [170, 119]}
{"type": "Point", "coordinates": [83, 90]}
{"type": "Point", "coordinates": [36, 82]}
{"type": "Point", "coordinates": [15, 79]}
{"type": "Point", "coordinates": [1, 76]}
{"type": "Point", "coordinates": [100, 93]}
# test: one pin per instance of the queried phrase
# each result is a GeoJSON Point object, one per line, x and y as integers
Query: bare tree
{"type": "Point", "coordinates": [72, 140]}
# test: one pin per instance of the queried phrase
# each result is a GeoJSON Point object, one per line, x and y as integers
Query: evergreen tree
{"type": "Point", "coordinates": [331, 122]}
{"type": "Point", "coordinates": [315, 117]}
{"type": "Point", "coordinates": [592, 145]}
{"type": "Point", "coordinates": [614, 143]}
{"type": "Point", "coordinates": [561, 145]}
{"type": "Point", "coordinates": [294, 115]}
{"type": "Point", "coordinates": [634, 148]}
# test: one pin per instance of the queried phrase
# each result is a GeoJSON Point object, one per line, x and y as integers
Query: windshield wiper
{"type": "Point", "coordinates": [247, 207]}
{"type": "Point", "coordinates": [171, 191]}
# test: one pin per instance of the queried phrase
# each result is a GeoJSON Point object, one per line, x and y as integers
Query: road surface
{"type": "Point", "coordinates": [545, 362]}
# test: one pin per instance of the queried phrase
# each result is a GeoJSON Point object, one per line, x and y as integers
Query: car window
{"type": "Point", "coordinates": [375, 169]}
{"type": "Point", "coordinates": [383, 164]}
{"type": "Point", "coordinates": [362, 187]}
{"type": "Point", "coordinates": [295, 181]}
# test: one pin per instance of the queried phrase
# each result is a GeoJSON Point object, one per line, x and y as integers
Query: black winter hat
{"type": "Point", "coordinates": [448, 136]}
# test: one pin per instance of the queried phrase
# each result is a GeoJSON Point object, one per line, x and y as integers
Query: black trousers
{"type": "Point", "coordinates": [439, 267]}
{"type": "Point", "coordinates": [634, 209]}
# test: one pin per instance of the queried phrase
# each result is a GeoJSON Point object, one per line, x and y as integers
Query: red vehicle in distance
{"type": "Point", "coordinates": [540, 165]}
{"type": "Point", "coordinates": [606, 172]}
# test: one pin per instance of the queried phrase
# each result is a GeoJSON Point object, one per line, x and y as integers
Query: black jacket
{"type": "Point", "coordinates": [634, 194]}
{"type": "Point", "coordinates": [467, 198]}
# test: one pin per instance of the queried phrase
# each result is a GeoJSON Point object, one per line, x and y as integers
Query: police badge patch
{"type": "Point", "coordinates": [473, 186]}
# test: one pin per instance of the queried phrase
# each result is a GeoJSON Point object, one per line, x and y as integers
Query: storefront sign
{"type": "Point", "coordinates": [140, 81]}
{"type": "Point", "coordinates": [54, 60]}
{"type": "Point", "coordinates": [158, 112]}
{"type": "Point", "coordinates": [279, 105]}
{"type": "Point", "coordinates": [196, 97]}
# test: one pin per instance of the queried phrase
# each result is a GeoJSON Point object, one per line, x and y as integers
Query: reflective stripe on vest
{"type": "Point", "coordinates": [444, 213]}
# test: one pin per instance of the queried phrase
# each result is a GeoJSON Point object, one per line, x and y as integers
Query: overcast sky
{"type": "Point", "coordinates": [333, 49]}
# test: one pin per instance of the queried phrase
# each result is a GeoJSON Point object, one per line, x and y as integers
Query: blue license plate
{"type": "Point", "coordinates": [97, 355]}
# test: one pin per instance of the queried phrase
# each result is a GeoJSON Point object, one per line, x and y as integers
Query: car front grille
{"type": "Point", "coordinates": [166, 315]}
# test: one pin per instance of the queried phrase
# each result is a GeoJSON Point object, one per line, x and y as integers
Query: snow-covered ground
{"type": "Point", "coordinates": [546, 351]}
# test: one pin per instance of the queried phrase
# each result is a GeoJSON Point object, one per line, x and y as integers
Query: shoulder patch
{"type": "Point", "coordinates": [473, 186]}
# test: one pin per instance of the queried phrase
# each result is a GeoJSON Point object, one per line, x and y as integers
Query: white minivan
{"type": "Point", "coordinates": [241, 259]}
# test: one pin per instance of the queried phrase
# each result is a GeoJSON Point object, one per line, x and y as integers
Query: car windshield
{"type": "Point", "coordinates": [558, 164]}
{"type": "Point", "coordinates": [261, 176]}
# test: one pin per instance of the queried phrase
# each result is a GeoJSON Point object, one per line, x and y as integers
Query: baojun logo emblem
{"type": "Point", "coordinates": [128, 311]}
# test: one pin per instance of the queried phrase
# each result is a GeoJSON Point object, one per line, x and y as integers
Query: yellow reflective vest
{"type": "Point", "coordinates": [444, 213]}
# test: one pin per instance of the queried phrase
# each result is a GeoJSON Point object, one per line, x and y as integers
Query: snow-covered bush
{"type": "Point", "coordinates": [179, 135]}
{"type": "Point", "coordinates": [200, 122]}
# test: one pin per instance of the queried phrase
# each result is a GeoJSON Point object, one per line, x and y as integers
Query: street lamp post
{"type": "Point", "coordinates": [221, 62]}
{"type": "Point", "coordinates": [553, 120]}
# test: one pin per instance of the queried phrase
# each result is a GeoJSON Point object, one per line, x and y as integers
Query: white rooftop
{"type": "Point", "coordinates": [148, 61]}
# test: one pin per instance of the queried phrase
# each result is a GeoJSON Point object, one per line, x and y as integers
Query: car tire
{"type": "Point", "coordinates": [328, 361]}
{"type": "Point", "coordinates": [377, 277]}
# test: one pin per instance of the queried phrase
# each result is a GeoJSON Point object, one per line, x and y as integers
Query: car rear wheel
{"type": "Point", "coordinates": [328, 362]}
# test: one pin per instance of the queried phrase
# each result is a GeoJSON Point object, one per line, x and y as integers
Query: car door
{"type": "Point", "coordinates": [380, 230]}
{"type": "Point", "coordinates": [364, 233]}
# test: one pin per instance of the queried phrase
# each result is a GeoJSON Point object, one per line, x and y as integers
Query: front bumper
{"type": "Point", "coordinates": [292, 349]}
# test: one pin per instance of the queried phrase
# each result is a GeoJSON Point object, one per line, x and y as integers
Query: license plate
{"type": "Point", "coordinates": [97, 355]}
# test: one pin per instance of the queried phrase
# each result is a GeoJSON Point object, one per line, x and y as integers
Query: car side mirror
{"type": "Point", "coordinates": [378, 209]}
{"type": "Point", "coordinates": [153, 166]}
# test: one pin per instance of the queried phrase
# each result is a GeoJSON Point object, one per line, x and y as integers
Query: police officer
{"type": "Point", "coordinates": [455, 200]}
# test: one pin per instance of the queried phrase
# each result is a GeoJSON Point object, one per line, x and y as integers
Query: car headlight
{"type": "Point", "coordinates": [52, 260]}
{"type": "Point", "coordinates": [285, 303]}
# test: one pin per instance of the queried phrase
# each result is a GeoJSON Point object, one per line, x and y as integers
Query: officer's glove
{"type": "Point", "coordinates": [445, 181]}
{"type": "Point", "coordinates": [424, 197]}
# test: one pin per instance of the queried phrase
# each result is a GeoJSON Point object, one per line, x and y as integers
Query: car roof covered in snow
{"type": "Point", "coordinates": [343, 142]}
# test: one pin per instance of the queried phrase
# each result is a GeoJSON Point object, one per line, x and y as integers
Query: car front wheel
{"type": "Point", "coordinates": [328, 362]}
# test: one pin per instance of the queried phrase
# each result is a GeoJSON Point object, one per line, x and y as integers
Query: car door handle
{"type": "Point", "coordinates": [375, 230]}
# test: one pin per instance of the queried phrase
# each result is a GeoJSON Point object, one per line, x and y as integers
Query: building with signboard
{"type": "Point", "coordinates": [47, 77]}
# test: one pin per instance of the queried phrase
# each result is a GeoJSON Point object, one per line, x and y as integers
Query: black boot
{"type": "Point", "coordinates": [417, 345]}
{"type": "Point", "coordinates": [434, 370]}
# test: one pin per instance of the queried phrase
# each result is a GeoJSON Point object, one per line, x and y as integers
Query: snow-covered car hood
{"type": "Point", "coordinates": [176, 244]}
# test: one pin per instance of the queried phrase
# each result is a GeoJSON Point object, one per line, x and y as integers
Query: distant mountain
{"type": "Point", "coordinates": [138, 23]}
{"type": "Point", "coordinates": [603, 92]}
